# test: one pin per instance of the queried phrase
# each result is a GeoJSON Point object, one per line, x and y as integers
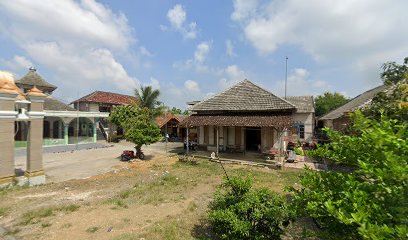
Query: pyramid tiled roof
{"type": "Point", "coordinates": [244, 96]}
{"type": "Point", "coordinates": [32, 78]}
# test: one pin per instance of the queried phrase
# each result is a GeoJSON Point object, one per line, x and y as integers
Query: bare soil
{"type": "Point", "coordinates": [156, 199]}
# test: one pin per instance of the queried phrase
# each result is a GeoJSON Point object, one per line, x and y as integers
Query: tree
{"type": "Point", "coordinates": [148, 98]}
{"type": "Point", "coordinates": [369, 199]}
{"type": "Point", "coordinates": [175, 110]}
{"type": "Point", "coordinates": [393, 102]}
{"type": "Point", "coordinates": [138, 124]}
{"type": "Point", "coordinates": [239, 211]}
{"type": "Point", "coordinates": [328, 102]}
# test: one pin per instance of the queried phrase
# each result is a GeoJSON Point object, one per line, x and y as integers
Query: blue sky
{"type": "Point", "coordinates": [193, 49]}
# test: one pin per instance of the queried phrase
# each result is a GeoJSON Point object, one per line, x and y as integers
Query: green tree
{"type": "Point", "coordinates": [328, 102]}
{"type": "Point", "coordinates": [148, 97]}
{"type": "Point", "coordinates": [369, 198]}
{"type": "Point", "coordinates": [175, 110]}
{"type": "Point", "coordinates": [138, 124]}
{"type": "Point", "coordinates": [393, 102]}
{"type": "Point", "coordinates": [239, 211]}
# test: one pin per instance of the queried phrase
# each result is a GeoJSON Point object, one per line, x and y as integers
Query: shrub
{"type": "Point", "coordinates": [239, 211]}
{"type": "Point", "coordinates": [370, 201]}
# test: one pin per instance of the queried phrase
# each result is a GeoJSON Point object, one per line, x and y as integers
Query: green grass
{"type": "Point", "coordinates": [33, 217]}
{"type": "Point", "coordinates": [92, 229]}
{"type": "Point", "coordinates": [3, 211]}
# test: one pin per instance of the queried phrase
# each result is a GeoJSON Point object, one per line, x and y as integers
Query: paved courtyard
{"type": "Point", "coordinates": [71, 162]}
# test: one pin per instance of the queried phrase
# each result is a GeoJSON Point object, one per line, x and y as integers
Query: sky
{"type": "Point", "coordinates": [191, 50]}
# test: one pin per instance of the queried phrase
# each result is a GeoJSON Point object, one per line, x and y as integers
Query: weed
{"type": "Point", "coordinates": [118, 203]}
{"type": "Point", "coordinates": [66, 225]}
{"type": "Point", "coordinates": [33, 217]}
{"type": "Point", "coordinates": [192, 206]}
{"type": "Point", "coordinates": [125, 194]}
{"type": "Point", "coordinates": [3, 211]}
{"type": "Point", "coordinates": [44, 225]}
{"type": "Point", "coordinates": [13, 232]}
{"type": "Point", "coordinates": [126, 220]}
{"type": "Point", "coordinates": [92, 229]}
{"type": "Point", "coordinates": [69, 208]}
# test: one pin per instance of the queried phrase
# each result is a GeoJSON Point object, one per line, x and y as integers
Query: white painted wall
{"type": "Point", "coordinates": [308, 120]}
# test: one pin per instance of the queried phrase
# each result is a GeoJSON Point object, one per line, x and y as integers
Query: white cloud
{"type": "Point", "coordinates": [300, 84]}
{"type": "Point", "coordinates": [243, 9]}
{"type": "Point", "coordinates": [177, 17]}
{"type": "Point", "coordinates": [357, 32]}
{"type": "Point", "coordinates": [74, 40]}
{"type": "Point", "coordinates": [198, 62]}
{"type": "Point", "coordinates": [145, 52]}
{"type": "Point", "coordinates": [201, 52]}
{"type": "Point", "coordinates": [232, 75]}
{"type": "Point", "coordinates": [17, 63]}
{"type": "Point", "coordinates": [229, 48]}
{"type": "Point", "coordinates": [154, 83]}
{"type": "Point", "coordinates": [192, 87]}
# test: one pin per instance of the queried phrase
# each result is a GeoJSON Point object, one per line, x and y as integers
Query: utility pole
{"type": "Point", "coordinates": [286, 75]}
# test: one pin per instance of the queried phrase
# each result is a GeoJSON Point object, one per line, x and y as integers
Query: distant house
{"type": "Point", "coordinates": [100, 101]}
{"type": "Point", "coordinates": [338, 119]}
{"type": "Point", "coordinates": [170, 124]}
{"type": "Point", "coordinates": [62, 124]}
{"type": "Point", "coordinates": [247, 117]}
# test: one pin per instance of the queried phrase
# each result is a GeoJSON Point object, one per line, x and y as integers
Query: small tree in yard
{"type": "Point", "coordinates": [239, 211]}
{"type": "Point", "coordinates": [138, 124]}
{"type": "Point", "coordinates": [370, 200]}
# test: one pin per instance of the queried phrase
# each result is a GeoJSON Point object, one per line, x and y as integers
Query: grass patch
{"type": "Point", "coordinates": [92, 229]}
{"type": "Point", "coordinates": [3, 211]}
{"type": "Point", "coordinates": [66, 225]}
{"type": "Point", "coordinates": [33, 217]}
{"type": "Point", "coordinates": [192, 206]}
{"type": "Point", "coordinates": [69, 208]}
{"type": "Point", "coordinates": [126, 236]}
{"type": "Point", "coordinates": [119, 203]}
{"type": "Point", "coordinates": [45, 225]}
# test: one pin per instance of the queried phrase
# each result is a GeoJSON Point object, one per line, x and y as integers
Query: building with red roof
{"type": "Point", "coordinates": [100, 101]}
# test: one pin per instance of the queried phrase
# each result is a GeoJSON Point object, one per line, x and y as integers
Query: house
{"type": "Point", "coordinates": [170, 124]}
{"type": "Point", "coordinates": [247, 117]}
{"type": "Point", "coordinates": [338, 119]}
{"type": "Point", "coordinates": [62, 124]}
{"type": "Point", "coordinates": [100, 101]}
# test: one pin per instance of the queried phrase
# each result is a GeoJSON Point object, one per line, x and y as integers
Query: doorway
{"type": "Point", "coordinates": [252, 139]}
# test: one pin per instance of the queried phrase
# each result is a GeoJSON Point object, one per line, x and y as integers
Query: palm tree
{"type": "Point", "coordinates": [148, 97]}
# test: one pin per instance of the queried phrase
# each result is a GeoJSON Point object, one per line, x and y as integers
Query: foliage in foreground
{"type": "Point", "coordinates": [240, 211]}
{"type": "Point", "coordinates": [370, 202]}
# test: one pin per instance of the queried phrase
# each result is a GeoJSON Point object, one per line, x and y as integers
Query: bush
{"type": "Point", "coordinates": [239, 211]}
{"type": "Point", "coordinates": [370, 201]}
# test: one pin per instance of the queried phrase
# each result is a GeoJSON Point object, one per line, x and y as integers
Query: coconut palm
{"type": "Point", "coordinates": [148, 97]}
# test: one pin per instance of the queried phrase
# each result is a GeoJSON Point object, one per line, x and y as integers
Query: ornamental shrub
{"type": "Point", "coordinates": [240, 211]}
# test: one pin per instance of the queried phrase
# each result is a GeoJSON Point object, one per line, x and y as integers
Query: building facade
{"type": "Point", "coordinates": [246, 117]}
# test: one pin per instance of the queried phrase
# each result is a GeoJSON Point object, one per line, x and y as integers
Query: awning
{"type": "Point", "coordinates": [278, 121]}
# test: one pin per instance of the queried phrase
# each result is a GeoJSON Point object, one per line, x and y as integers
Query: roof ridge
{"type": "Point", "coordinates": [272, 93]}
{"type": "Point", "coordinates": [230, 87]}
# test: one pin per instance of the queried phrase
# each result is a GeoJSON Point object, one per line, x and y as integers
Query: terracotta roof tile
{"type": "Point", "coordinates": [107, 97]}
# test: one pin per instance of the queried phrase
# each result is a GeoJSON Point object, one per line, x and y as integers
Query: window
{"type": "Point", "coordinates": [299, 130]}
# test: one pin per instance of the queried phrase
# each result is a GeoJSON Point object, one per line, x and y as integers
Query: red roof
{"type": "Point", "coordinates": [166, 117]}
{"type": "Point", "coordinates": [107, 97]}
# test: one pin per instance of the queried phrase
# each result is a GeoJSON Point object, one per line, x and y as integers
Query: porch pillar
{"type": "Point", "coordinates": [94, 132]}
{"type": "Point", "coordinates": [218, 141]}
{"type": "Point", "coordinates": [66, 126]}
{"type": "Point", "coordinates": [34, 172]}
{"type": "Point", "coordinates": [7, 119]}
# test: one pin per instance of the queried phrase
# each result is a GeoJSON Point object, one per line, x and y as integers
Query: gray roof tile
{"type": "Point", "coordinates": [354, 103]}
{"type": "Point", "coordinates": [244, 96]}
{"type": "Point", "coordinates": [304, 104]}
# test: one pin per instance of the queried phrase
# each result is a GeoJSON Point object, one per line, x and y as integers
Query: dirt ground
{"type": "Point", "coordinates": [67, 165]}
{"type": "Point", "coordinates": [160, 198]}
